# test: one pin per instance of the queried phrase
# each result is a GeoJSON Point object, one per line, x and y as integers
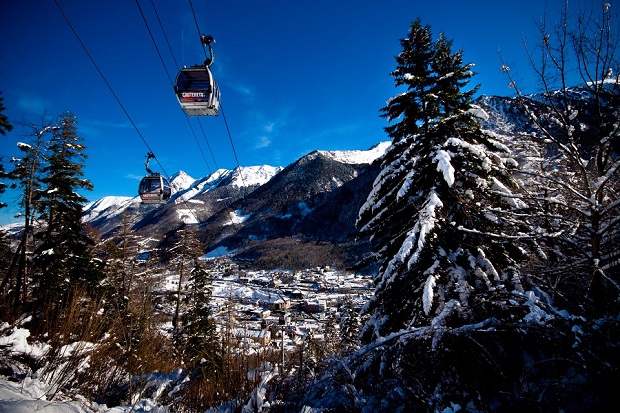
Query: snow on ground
{"type": "Point", "coordinates": [236, 217]}
{"type": "Point", "coordinates": [29, 396]}
{"type": "Point", "coordinates": [187, 216]}
{"type": "Point", "coordinates": [26, 398]}
{"type": "Point", "coordinates": [218, 252]}
{"type": "Point", "coordinates": [18, 342]}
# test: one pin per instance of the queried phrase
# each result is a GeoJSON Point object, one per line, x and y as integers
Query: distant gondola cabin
{"type": "Point", "coordinates": [154, 189]}
{"type": "Point", "coordinates": [197, 91]}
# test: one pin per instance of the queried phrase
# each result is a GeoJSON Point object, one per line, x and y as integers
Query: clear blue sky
{"type": "Point", "coordinates": [294, 75]}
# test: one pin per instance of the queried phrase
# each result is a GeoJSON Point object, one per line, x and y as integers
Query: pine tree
{"type": "Point", "coordinates": [435, 219]}
{"type": "Point", "coordinates": [349, 327]}
{"type": "Point", "coordinates": [193, 324]}
{"type": "Point", "coordinates": [26, 175]}
{"type": "Point", "coordinates": [185, 250]}
{"type": "Point", "coordinates": [429, 206]}
{"type": "Point", "coordinates": [63, 260]}
{"type": "Point", "coordinates": [199, 345]}
{"type": "Point", "coordinates": [5, 124]}
{"type": "Point", "coordinates": [197, 336]}
{"type": "Point", "coordinates": [413, 104]}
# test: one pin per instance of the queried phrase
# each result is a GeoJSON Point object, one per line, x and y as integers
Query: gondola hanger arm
{"type": "Point", "coordinates": [149, 156]}
{"type": "Point", "coordinates": [206, 42]}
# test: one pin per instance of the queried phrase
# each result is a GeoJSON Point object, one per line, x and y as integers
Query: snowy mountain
{"type": "Point", "coordinates": [313, 200]}
{"type": "Point", "coordinates": [357, 157]}
{"type": "Point", "coordinates": [242, 177]}
{"type": "Point", "coordinates": [107, 207]}
{"type": "Point", "coordinates": [250, 203]}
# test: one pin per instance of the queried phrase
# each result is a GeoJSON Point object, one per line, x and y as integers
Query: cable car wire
{"type": "Point", "coordinates": [186, 116]}
{"type": "Point", "coordinates": [233, 148]}
{"type": "Point", "coordinates": [197, 27]}
{"type": "Point", "coordinates": [222, 108]}
{"type": "Point", "coordinates": [151, 155]}
{"type": "Point", "coordinates": [161, 26]}
{"type": "Point", "coordinates": [170, 77]}
{"type": "Point", "coordinates": [107, 83]}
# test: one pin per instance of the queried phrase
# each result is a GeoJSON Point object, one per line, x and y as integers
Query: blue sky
{"type": "Point", "coordinates": [294, 75]}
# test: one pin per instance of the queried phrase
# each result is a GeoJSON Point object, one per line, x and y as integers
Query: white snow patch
{"type": "Point", "coordinates": [427, 297]}
{"type": "Point", "coordinates": [356, 157]}
{"type": "Point", "coordinates": [187, 216]}
{"type": "Point", "coordinates": [236, 217]}
{"type": "Point", "coordinates": [444, 166]}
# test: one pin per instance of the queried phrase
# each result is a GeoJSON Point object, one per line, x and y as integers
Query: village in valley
{"type": "Point", "coordinates": [273, 309]}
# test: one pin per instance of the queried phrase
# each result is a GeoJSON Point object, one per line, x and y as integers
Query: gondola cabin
{"type": "Point", "coordinates": [197, 91]}
{"type": "Point", "coordinates": [154, 189]}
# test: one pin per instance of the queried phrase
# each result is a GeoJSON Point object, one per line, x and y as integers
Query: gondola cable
{"type": "Point", "coordinates": [150, 155]}
{"type": "Point", "coordinates": [221, 107]}
{"type": "Point", "coordinates": [106, 81]}
{"type": "Point", "coordinates": [170, 77]}
{"type": "Point", "coordinates": [161, 26]}
{"type": "Point", "coordinates": [176, 65]}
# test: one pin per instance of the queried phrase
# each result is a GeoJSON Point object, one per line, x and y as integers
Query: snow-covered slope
{"type": "Point", "coordinates": [253, 175]}
{"type": "Point", "coordinates": [181, 181]}
{"type": "Point", "coordinates": [357, 157]}
{"type": "Point", "coordinates": [242, 177]}
{"type": "Point", "coordinates": [109, 207]}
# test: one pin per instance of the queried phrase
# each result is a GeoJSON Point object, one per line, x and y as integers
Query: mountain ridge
{"type": "Point", "coordinates": [234, 207]}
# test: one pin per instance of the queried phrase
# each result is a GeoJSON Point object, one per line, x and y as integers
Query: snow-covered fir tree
{"type": "Point", "coordinates": [197, 337]}
{"type": "Point", "coordinates": [63, 260]}
{"type": "Point", "coordinates": [450, 267]}
{"type": "Point", "coordinates": [430, 212]}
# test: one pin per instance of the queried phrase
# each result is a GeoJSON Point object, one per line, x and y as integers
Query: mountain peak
{"type": "Point", "coordinates": [253, 175]}
{"type": "Point", "coordinates": [356, 157]}
{"type": "Point", "coordinates": [181, 180]}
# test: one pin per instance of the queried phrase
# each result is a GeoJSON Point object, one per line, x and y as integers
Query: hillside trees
{"type": "Point", "coordinates": [449, 277]}
{"type": "Point", "coordinates": [575, 188]}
